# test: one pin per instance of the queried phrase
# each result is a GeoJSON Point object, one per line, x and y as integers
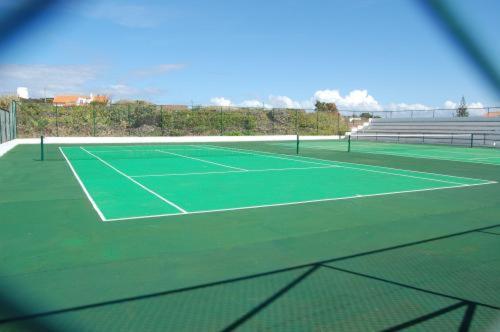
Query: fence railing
{"type": "Point", "coordinates": [8, 129]}
{"type": "Point", "coordinates": [491, 111]}
{"type": "Point", "coordinates": [144, 119]}
{"type": "Point", "coordinates": [156, 120]}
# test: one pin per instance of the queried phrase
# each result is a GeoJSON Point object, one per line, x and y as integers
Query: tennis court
{"type": "Point", "coordinates": [245, 235]}
{"type": "Point", "coordinates": [130, 182]}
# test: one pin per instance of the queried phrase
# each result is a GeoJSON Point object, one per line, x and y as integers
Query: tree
{"type": "Point", "coordinates": [462, 109]}
{"type": "Point", "coordinates": [325, 107]}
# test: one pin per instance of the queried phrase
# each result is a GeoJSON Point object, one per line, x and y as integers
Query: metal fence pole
{"type": "Point", "coordinates": [1, 121]}
{"type": "Point", "coordinates": [42, 156]}
{"type": "Point", "coordinates": [221, 129]}
{"type": "Point", "coordinates": [273, 120]}
{"type": "Point", "coordinates": [338, 123]}
{"type": "Point", "coordinates": [317, 122]}
{"type": "Point", "coordinates": [128, 119]}
{"type": "Point", "coordinates": [161, 121]}
{"type": "Point", "coordinates": [297, 121]}
{"type": "Point", "coordinates": [14, 110]}
{"type": "Point", "coordinates": [93, 121]}
{"type": "Point", "coordinates": [57, 121]}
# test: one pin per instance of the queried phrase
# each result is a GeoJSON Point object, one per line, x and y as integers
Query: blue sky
{"type": "Point", "coordinates": [359, 54]}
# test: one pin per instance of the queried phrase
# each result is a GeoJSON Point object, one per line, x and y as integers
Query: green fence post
{"type": "Point", "coordinates": [15, 119]}
{"type": "Point", "coordinates": [273, 120]}
{"type": "Point", "coordinates": [349, 143]}
{"type": "Point", "coordinates": [317, 122]}
{"type": "Point", "coordinates": [42, 157]}
{"type": "Point", "coordinates": [128, 119]}
{"type": "Point", "coordinates": [7, 125]}
{"type": "Point", "coordinates": [221, 122]}
{"type": "Point", "coordinates": [472, 140]}
{"type": "Point", "coordinates": [297, 121]}
{"type": "Point", "coordinates": [1, 121]}
{"type": "Point", "coordinates": [93, 121]}
{"type": "Point", "coordinates": [161, 121]}
{"type": "Point", "coordinates": [57, 121]}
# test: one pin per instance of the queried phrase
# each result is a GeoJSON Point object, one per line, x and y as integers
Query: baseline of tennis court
{"type": "Point", "coordinates": [132, 182]}
{"type": "Point", "coordinates": [428, 151]}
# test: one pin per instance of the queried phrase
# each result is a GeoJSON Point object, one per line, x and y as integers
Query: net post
{"type": "Point", "coordinates": [42, 156]}
{"type": "Point", "coordinates": [348, 143]}
{"type": "Point", "coordinates": [472, 140]}
{"type": "Point", "coordinates": [298, 140]}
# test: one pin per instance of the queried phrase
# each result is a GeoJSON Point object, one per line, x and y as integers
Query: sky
{"type": "Point", "coordinates": [360, 54]}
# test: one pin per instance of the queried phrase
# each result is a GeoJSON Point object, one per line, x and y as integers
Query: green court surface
{"type": "Point", "coordinates": [427, 151]}
{"type": "Point", "coordinates": [145, 181]}
{"type": "Point", "coordinates": [246, 236]}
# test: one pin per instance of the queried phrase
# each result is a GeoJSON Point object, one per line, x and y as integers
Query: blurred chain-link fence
{"type": "Point", "coordinates": [140, 119]}
{"type": "Point", "coordinates": [145, 119]}
{"type": "Point", "coordinates": [8, 123]}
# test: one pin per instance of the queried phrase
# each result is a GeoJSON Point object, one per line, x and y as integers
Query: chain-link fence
{"type": "Point", "coordinates": [8, 123]}
{"type": "Point", "coordinates": [492, 111]}
{"type": "Point", "coordinates": [145, 119]}
{"type": "Point", "coordinates": [141, 119]}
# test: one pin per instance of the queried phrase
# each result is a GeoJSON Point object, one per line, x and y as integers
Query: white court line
{"type": "Point", "coordinates": [264, 153]}
{"type": "Point", "coordinates": [145, 150]}
{"type": "Point", "coordinates": [94, 205]}
{"type": "Point", "coordinates": [202, 160]}
{"type": "Point", "coordinates": [225, 172]}
{"type": "Point", "coordinates": [136, 182]}
{"type": "Point", "coordinates": [363, 169]}
{"type": "Point", "coordinates": [294, 203]}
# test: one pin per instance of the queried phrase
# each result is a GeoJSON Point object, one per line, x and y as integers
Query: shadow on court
{"type": "Point", "coordinates": [461, 311]}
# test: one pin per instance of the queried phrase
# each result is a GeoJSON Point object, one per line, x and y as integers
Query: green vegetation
{"type": "Point", "coordinates": [139, 118]}
{"type": "Point", "coordinates": [462, 109]}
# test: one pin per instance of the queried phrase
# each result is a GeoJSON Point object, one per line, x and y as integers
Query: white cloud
{"type": "Point", "coordinates": [406, 107]}
{"type": "Point", "coordinates": [221, 101]}
{"type": "Point", "coordinates": [283, 102]}
{"type": "Point", "coordinates": [450, 104]}
{"type": "Point", "coordinates": [255, 103]}
{"type": "Point", "coordinates": [50, 79]}
{"type": "Point", "coordinates": [355, 100]}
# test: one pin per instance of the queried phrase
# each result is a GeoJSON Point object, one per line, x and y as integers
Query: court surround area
{"type": "Point", "coordinates": [243, 233]}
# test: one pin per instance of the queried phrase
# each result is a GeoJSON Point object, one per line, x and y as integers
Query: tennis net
{"type": "Point", "coordinates": [484, 139]}
{"type": "Point", "coordinates": [156, 148]}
